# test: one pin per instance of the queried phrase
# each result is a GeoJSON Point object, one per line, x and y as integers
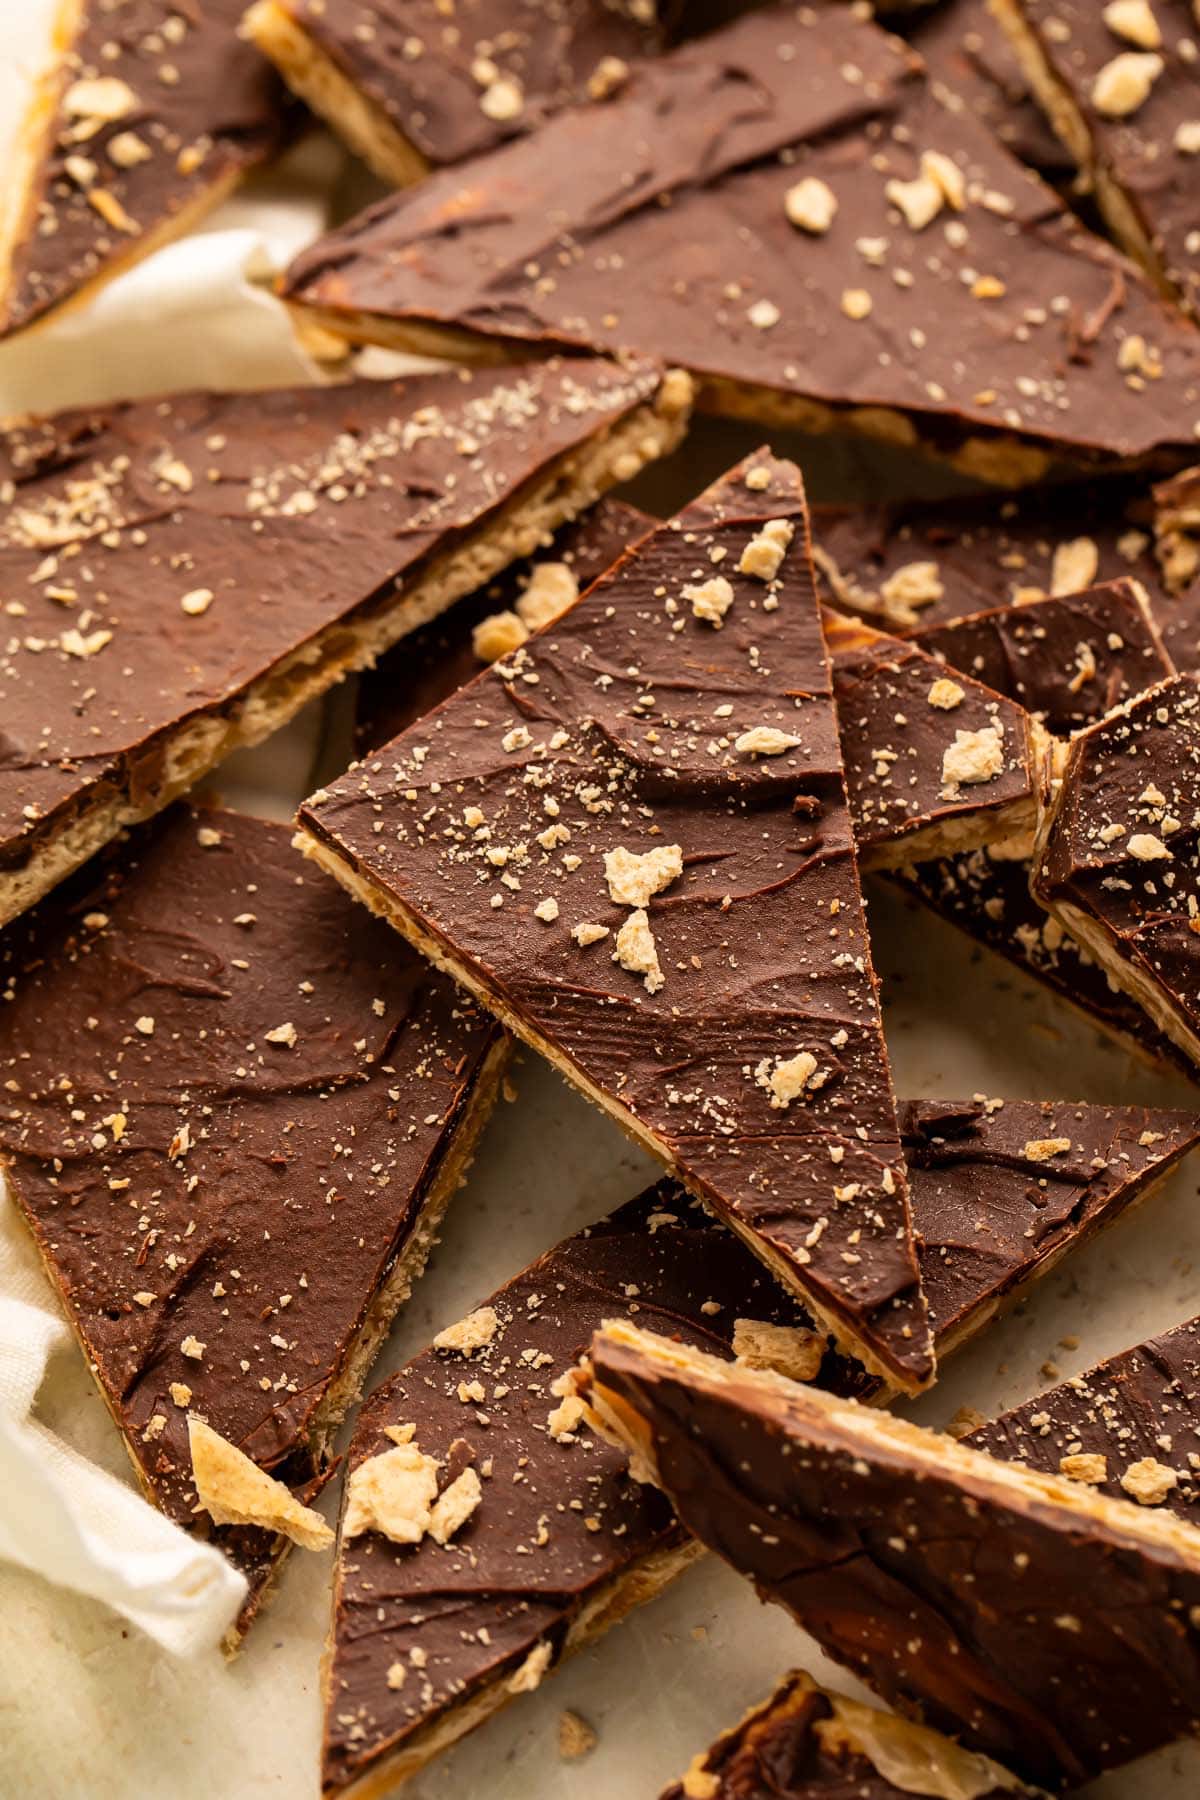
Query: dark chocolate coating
{"type": "Point", "coordinates": [1067, 659]}
{"type": "Point", "coordinates": [1142, 1403]}
{"type": "Point", "coordinates": [185, 1177]}
{"type": "Point", "coordinates": [622, 722]}
{"type": "Point", "coordinates": [657, 223]}
{"type": "Point", "coordinates": [1138, 152]}
{"type": "Point", "coordinates": [203, 106]}
{"type": "Point", "coordinates": [414, 60]}
{"type": "Point", "coordinates": [435, 661]}
{"type": "Point", "coordinates": [1124, 843]}
{"type": "Point", "coordinates": [1056, 1641]}
{"type": "Point", "coordinates": [294, 510]}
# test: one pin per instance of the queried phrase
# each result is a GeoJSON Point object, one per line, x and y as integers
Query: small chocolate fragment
{"type": "Point", "coordinates": [1054, 1629]}
{"type": "Point", "coordinates": [936, 762]}
{"type": "Point", "coordinates": [434, 661]}
{"type": "Point", "coordinates": [631, 840]}
{"type": "Point", "coordinates": [147, 117]}
{"type": "Point", "coordinates": [1120, 84]}
{"type": "Point", "coordinates": [412, 85]}
{"type": "Point", "coordinates": [808, 1743]}
{"type": "Point", "coordinates": [233, 1113]}
{"type": "Point", "coordinates": [183, 574]}
{"type": "Point", "coordinates": [1067, 659]}
{"type": "Point", "coordinates": [1001, 1190]}
{"type": "Point", "coordinates": [1119, 853]}
{"type": "Point", "coordinates": [800, 207]}
{"type": "Point", "coordinates": [1129, 1427]}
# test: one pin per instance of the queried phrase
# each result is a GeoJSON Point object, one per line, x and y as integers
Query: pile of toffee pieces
{"type": "Point", "coordinates": [617, 779]}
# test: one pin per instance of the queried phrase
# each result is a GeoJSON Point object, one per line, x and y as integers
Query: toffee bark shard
{"type": "Point", "coordinates": [1129, 1427]}
{"type": "Point", "coordinates": [978, 1199]}
{"type": "Point", "coordinates": [181, 575]}
{"type": "Point", "coordinates": [145, 119]}
{"type": "Point", "coordinates": [799, 205]}
{"type": "Point", "coordinates": [1120, 84]}
{"type": "Point", "coordinates": [412, 88]}
{"type": "Point", "coordinates": [1054, 1629]}
{"type": "Point", "coordinates": [1118, 853]}
{"type": "Point", "coordinates": [609, 836]}
{"type": "Point", "coordinates": [808, 1743]}
{"type": "Point", "coordinates": [226, 1241]}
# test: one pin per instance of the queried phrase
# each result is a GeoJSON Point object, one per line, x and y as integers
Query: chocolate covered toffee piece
{"type": "Point", "coordinates": [435, 661]}
{"type": "Point", "coordinates": [631, 840]}
{"type": "Point", "coordinates": [1120, 83]}
{"type": "Point", "coordinates": [808, 1743]}
{"type": "Point", "coordinates": [233, 1113]}
{"type": "Point", "coordinates": [1130, 1427]}
{"type": "Point", "coordinates": [181, 575]}
{"type": "Point", "coordinates": [935, 761]}
{"type": "Point", "coordinates": [413, 84]}
{"type": "Point", "coordinates": [1055, 1629]}
{"type": "Point", "coordinates": [792, 206]}
{"type": "Point", "coordinates": [148, 115]}
{"type": "Point", "coordinates": [1001, 1190]}
{"type": "Point", "coordinates": [1117, 855]}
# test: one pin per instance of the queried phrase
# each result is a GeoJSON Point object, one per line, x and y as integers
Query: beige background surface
{"type": "Point", "coordinates": [90, 1711]}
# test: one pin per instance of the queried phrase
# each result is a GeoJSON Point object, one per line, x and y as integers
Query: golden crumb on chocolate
{"type": "Point", "coordinates": [232, 1490]}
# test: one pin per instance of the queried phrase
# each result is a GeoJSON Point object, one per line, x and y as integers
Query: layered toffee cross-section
{"type": "Point", "coordinates": [785, 208]}
{"type": "Point", "coordinates": [1047, 1625]}
{"type": "Point", "coordinates": [1120, 84]}
{"type": "Point", "coordinates": [807, 1742]}
{"type": "Point", "coordinates": [631, 840]}
{"type": "Point", "coordinates": [1129, 1428]}
{"type": "Point", "coordinates": [1117, 863]}
{"type": "Point", "coordinates": [147, 115]}
{"type": "Point", "coordinates": [413, 85]}
{"type": "Point", "coordinates": [181, 575]}
{"type": "Point", "coordinates": [234, 1111]}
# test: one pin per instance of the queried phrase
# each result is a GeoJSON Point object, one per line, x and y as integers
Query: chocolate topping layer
{"type": "Point", "coordinates": [1118, 858]}
{"type": "Point", "coordinates": [560, 1523]}
{"type": "Point", "coordinates": [631, 839]}
{"type": "Point", "coordinates": [682, 218]}
{"type": "Point", "coordinates": [233, 1109]}
{"type": "Point", "coordinates": [1068, 659]}
{"type": "Point", "coordinates": [1054, 1628]}
{"type": "Point", "coordinates": [450, 82]}
{"type": "Point", "coordinates": [934, 760]}
{"type": "Point", "coordinates": [150, 114]}
{"type": "Point", "coordinates": [1001, 1190]}
{"type": "Point", "coordinates": [435, 661]}
{"type": "Point", "coordinates": [1121, 87]}
{"type": "Point", "coordinates": [808, 1743]}
{"type": "Point", "coordinates": [1129, 1427]}
{"type": "Point", "coordinates": [182, 574]}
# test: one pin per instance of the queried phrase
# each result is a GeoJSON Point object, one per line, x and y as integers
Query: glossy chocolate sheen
{"type": "Point", "coordinates": [968, 55]}
{"type": "Point", "coordinates": [899, 714]}
{"type": "Point", "coordinates": [291, 511]}
{"type": "Point", "coordinates": [196, 106]}
{"type": "Point", "coordinates": [987, 896]}
{"type": "Point", "coordinates": [1068, 659]}
{"type": "Point", "coordinates": [431, 69]}
{"type": "Point", "coordinates": [1141, 1405]}
{"type": "Point", "coordinates": [560, 1519]}
{"type": "Point", "coordinates": [1138, 151]}
{"type": "Point", "coordinates": [193, 1180]}
{"type": "Point", "coordinates": [1053, 1635]}
{"type": "Point", "coordinates": [808, 1743]}
{"type": "Point", "coordinates": [1123, 845]}
{"type": "Point", "coordinates": [658, 223]}
{"type": "Point", "coordinates": [435, 661]}
{"type": "Point", "coordinates": [1000, 1189]}
{"type": "Point", "coordinates": [620, 725]}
